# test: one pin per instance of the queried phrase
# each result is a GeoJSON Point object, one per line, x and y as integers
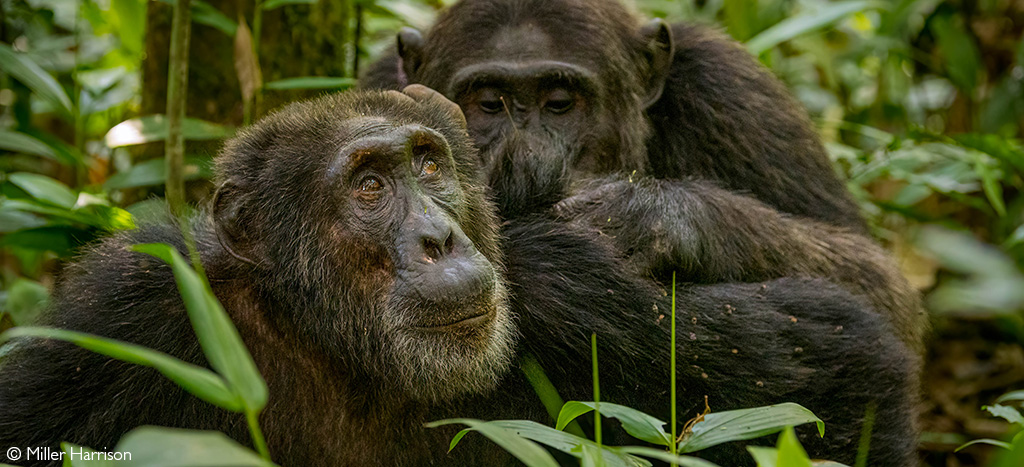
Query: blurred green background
{"type": "Point", "coordinates": [920, 102]}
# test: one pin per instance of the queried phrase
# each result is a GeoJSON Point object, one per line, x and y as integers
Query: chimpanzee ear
{"type": "Point", "coordinates": [228, 218]}
{"type": "Point", "coordinates": [659, 49]}
{"type": "Point", "coordinates": [410, 52]}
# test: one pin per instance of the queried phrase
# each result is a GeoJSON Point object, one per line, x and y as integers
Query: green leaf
{"type": "Point", "coordinates": [153, 128]}
{"type": "Point", "coordinates": [546, 391]}
{"type": "Point", "coordinates": [685, 461]}
{"type": "Point", "coordinates": [310, 82]}
{"type": "Point", "coordinates": [12, 220]}
{"type": "Point", "coordinates": [44, 189]}
{"type": "Point", "coordinates": [217, 334]}
{"type": "Point", "coordinates": [25, 299]}
{"type": "Point", "coordinates": [55, 238]}
{"type": "Point", "coordinates": [1011, 396]}
{"type": "Point", "coordinates": [197, 380]}
{"type": "Point", "coordinates": [993, 442]}
{"type": "Point", "coordinates": [962, 59]}
{"type": "Point", "coordinates": [1007, 413]}
{"type": "Point", "coordinates": [80, 456]}
{"type": "Point", "coordinates": [569, 443]}
{"type": "Point", "coordinates": [991, 180]}
{"type": "Point", "coordinates": [271, 4]}
{"type": "Point", "coordinates": [154, 446]}
{"type": "Point", "coordinates": [764, 456]}
{"type": "Point", "coordinates": [806, 22]}
{"type": "Point", "coordinates": [154, 172]}
{"type": "Point", "coordinates": [523, 449]}
{"type": "Point", "coordinates": [204, 13]}
{"type": "Point", "coordinates": [743, 424]}
{"type": "Point", "coordinates": [35, 78]}
{"type": "Point", "coordinates": [636, 423]}
{"type": "Point", "coordinates": [791, 453]}
{"type": "Point", "coordinates": [21, 143]}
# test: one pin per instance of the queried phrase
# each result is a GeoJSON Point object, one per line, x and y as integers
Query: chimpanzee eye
{"type": "Point", "coordinates": [559, 101]}
{"type": "Point", "coordinates": [490, 101]}
{"type": "Point", "coordinates": [429, 167]}
{"type": "Point", "coordinates": [371, 185]}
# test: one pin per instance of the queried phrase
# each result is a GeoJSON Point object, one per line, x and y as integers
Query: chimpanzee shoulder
{"type": "Point", "coordinates": [724, 116]}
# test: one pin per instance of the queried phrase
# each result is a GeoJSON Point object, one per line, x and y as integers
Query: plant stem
{"type": "Point", "coordinates": [177, 92]}
{"type": "Point", "coordinates": [597, 391]}
{"type": "Point", "coordinates": [672, 369]}
{"type": "Point", "coordinates": [549, 396]}
{"type": "Point", "coordinates": [257, 434]}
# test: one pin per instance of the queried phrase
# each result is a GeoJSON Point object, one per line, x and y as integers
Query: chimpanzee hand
{"type": "Point", "coordinates": [648, 221]}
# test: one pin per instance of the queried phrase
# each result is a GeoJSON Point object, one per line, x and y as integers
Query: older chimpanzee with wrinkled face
{"type": "Point", "coordinates": [355, 252]}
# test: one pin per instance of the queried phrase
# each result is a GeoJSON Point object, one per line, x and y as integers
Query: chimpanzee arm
{"type": "Point", "coordinates": [740, 344]}
{"type": "Point", "coordinates": [711, 235]}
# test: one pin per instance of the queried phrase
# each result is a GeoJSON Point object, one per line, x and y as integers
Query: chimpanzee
{"type": "Point", "coordinates": [655, 135]}
{"type": "Point", "coordinates": [357, 255]}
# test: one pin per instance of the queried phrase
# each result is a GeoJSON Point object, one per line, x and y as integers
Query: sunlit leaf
{"type": "Point", "coordinates": [199, 381]}
{"type": "Point", "coordinates": [310, 82]}
{"type": "Point", "coordinates": [791, 453]}
{"type": "Point", "coordinates": [806, 22]}
{"type": "Point", "coordinates": [743, 424]}
{"type": "Point", "coordinates": [153, 446]}
{"type": "Point", "coordinates": [35, 78]}
{"type": "Point", "coordinates": [152, 128]}
{"type": "Point", "coordinates": [523, 449]}
{"type": "Point", "coordinates": [1007, 413]}
{"type": "Point", "coordinates": [217, 335]}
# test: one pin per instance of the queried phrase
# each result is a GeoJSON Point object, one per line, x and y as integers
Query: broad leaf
{"type": "Point", "coordinates": [197, 380]}
{"type": "Point", "coordinates": [791, 453]}
{"type": "Point", "coordinates": [153, 128]}
{"type": "Point", "coordinates": [154, 172]}
{"type": "Point", "coordinates": [665, 456]}
{"type": "Point", "coordinates": [569, 443]}
{"type": "Point", "coordinates": [217, 334]}
{"type": "Point", "coordinates": [806, 22]}
{"type": "Point", "coordinates": [635, 422]}
{"type": "Point", "coordinates": [21, 143]}
{"type": "Point", "coordinates": [153, 446]}
{"type": "Point", "coordinates": [44, 189]}
{"type": "Point", "coordinates": [523, 449]}
{"type": "Point", "coordinates": [35, 78]}
{"type": "Point", "coordinates": [743, 424]}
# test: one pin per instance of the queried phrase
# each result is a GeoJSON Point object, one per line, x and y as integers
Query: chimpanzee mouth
{"type": "Point", "coordinates": [463, 321]}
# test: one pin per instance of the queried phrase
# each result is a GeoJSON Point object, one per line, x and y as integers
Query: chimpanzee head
{"type": "Point", "coordinates": [550, 88]}
{"type": "Point", "coordinates": [362, 224]}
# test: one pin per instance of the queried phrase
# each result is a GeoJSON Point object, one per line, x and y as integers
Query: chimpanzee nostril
{"type": "Point", "coordinates": [435, 249]}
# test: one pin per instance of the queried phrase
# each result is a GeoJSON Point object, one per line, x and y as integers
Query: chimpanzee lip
{"type": "Point", "coordinates": [468, 321]}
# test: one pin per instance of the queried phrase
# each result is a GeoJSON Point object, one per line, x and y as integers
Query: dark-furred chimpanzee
{"type": "Point", "coordinates": [560, 92]}
{"type": "Point", "coordinates": [358, 258]}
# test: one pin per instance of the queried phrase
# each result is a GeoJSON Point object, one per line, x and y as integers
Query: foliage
{"type": "Point", "coordinates": [920, 102]}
